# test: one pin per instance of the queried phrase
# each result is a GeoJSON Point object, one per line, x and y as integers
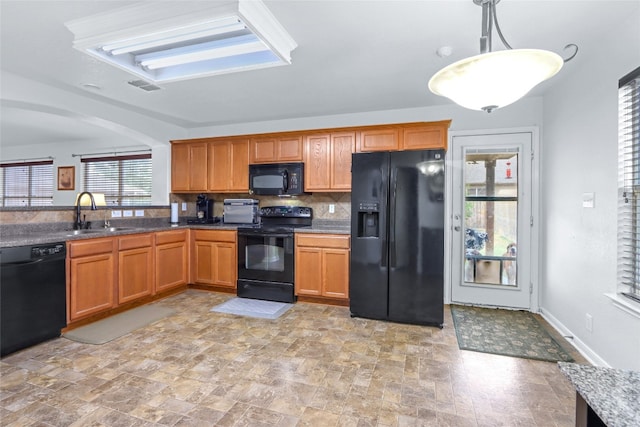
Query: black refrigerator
{"type": "Point", "coordinates": [397, 236]}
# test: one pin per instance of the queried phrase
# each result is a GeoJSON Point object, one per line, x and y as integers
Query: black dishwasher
{"type": "Point", "coordinates": [32, 295]}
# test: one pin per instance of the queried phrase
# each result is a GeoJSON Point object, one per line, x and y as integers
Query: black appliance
{"type": "Point", "coordinates": [33, 298]}
{"type": "Point", "coordinates": [204, 211]}
{"type": "Point", "coordinates": [397, 236]}
{"type": "Point", "coordinates": [277, 179]}
{"type": "Point", "coordinates": [266, 253]}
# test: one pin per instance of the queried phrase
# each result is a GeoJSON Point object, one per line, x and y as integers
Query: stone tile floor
{"type": "Point", "coordinates": [314, 366]}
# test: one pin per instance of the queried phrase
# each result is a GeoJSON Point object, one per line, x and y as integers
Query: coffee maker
{"type": "Point", "coordinates": [204, 211]}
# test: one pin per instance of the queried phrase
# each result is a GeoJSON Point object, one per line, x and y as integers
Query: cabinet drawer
{"type": "Point", "coordinates": [91, 247]}
{"type": "Point", "coordinates": [323, 240]}
{"type": "Point", "coordinates": [135, 241]}
{"type": "Point", "coordinates": [164, 237]}
{"type": "Point", "coordinates": [215, 235]}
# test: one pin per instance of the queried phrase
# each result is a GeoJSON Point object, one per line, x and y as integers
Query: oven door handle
{"type": "Point", "coordinates": [263, 234]}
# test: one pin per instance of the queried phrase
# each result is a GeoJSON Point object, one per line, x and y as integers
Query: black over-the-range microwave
{"type": "Point", "coordinates": [276, 179]}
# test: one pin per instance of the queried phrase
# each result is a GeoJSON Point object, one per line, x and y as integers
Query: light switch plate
{"type": "Point", "coordinates": [116, 214]}
{"type": "Point", "coordinates": [588, 200]}
{"type": "Point", "coordinates": [127, 213]}
{"type": "Point", "coordinates": [184, 206]}
{"type": "Point", "coordinates": [139, 213]}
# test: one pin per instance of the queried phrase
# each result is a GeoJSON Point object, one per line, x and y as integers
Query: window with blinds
{"type": "Point", "coordinates": [26, 184]}
{"type": "Point", "coordinates": [629, 185]}
{"type": "Point", "coordinates": [124, 180]}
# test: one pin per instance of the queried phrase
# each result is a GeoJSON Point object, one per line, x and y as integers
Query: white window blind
{"type": "Point", "coordinates": [629, 185]}
{"type": "Point", "coordinates": [124, 180]}
{"type": "Point", "coordinates": [27, 183]}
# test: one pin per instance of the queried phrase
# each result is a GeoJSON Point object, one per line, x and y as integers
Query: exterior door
{"type": "Point", "coordinates": [492, 220]}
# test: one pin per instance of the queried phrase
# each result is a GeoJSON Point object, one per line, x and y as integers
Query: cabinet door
{"type": "Point", "coordinates": [171, 266]}
{"type": "Point", "coordinates": [263, 150]}
{"type": "Point", "coordinates": [239, 166]}
{"type": "Point", "coordinates": [225, 264]}
{"type": "Point", "coordinates": [335, 272]}
{"type": "Point", "coordinates": [203, 269]}
{"type": "Point", "coordinates": [198, 167]}
{"type": "Point", "coordinates": [289, 149]}
{"type": "Point", "coordinates": [342, 146]}
{"type": "Point", "coordinates": [179, 167]}
{"type": "Point", "coordinates": [91, 285]}
{"type": "Point", "coordinates": [135, 274]}
{"type": "Point", "coordinates": [308, 276]}
{"type": "Point", "coordinates": [424, 137]}
{"type": "Point", "coordinates": [171, 260]}
{"type": "Point", "coordinates": [317, 168]}
{"type": "Point", "coordinates": [219, 167]}
{"type": "Point", "coordinates": [378, 140]}
{"type": "Point", "coordinates": [189, 167]}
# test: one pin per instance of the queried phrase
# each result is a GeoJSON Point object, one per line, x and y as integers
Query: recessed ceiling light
{"type": "Point", "coordinates": [169, 41]}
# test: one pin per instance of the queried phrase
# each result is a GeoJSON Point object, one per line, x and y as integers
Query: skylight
{"type": "Point", "coordinates": [170, 40]}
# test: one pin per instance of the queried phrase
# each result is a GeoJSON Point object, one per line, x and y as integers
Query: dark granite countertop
{"type": "Point", "coordinates": [613, 394]}
{"type": "Point", "coordinates": [35, 234]}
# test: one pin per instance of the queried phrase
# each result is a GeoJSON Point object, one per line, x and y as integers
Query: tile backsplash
{"type": "Point", "coordinates": [319, 202]}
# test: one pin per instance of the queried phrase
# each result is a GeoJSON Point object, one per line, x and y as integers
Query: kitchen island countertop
{"type": "Point", "coordinates": [613, 394]}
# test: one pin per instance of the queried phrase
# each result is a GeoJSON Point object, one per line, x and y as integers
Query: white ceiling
{"type": "Point", "coordinates": [352, 56]}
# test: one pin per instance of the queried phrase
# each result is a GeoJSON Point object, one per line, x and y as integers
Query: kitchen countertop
{"type": "Point", "coordinates": [613, 394]}
{"type": "Point", "coordinates": [17, 235]}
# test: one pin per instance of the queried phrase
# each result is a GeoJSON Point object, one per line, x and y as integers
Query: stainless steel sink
{"type": "Point", "coordinates": [114, 229]}
{"type": "Point", "coordinates": [78, 232]}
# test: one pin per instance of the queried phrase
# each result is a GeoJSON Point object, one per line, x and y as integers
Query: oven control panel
{"type": "Point", "coordinates": [286, 212]}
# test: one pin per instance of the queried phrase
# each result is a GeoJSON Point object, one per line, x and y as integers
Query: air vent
{"type": "Point", "coordinates": [144, 85]}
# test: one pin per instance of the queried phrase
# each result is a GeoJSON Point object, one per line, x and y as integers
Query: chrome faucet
{"type": "Point", "coordinates": [80, 224]}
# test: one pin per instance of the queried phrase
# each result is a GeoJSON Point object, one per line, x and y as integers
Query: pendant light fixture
{"type": "Point", "coordinates": [495, 79]}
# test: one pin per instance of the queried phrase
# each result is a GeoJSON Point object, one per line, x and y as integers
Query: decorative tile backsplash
{"type": "Point", "coordinates": [319, 202]}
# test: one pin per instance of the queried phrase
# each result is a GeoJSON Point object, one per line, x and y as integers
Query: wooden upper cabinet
{"type": "Point", "coordinates": [189, 167]}
{"type": "Point", "coordinates": [387, 139]}
{"type": "Point", "coordinates": [276, 149]}
{"type": "Point", "coordinates": [229, 165]}
{"type": "Point", "coordinates": [426, 136]}
{"type": "Point", "coordinates": [327, 160]}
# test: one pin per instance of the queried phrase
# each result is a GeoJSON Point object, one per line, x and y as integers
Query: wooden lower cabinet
{"type": "Point", "coordinates": [214, 258]}
{"type": "Point", "coordinates": [172, 257]}
{"type": "Point", "coordinates": [322, 265]}
{"type": "Point", "coordinates": [135, 267]}
{"type": "Point", "coordinates": [91, 277]}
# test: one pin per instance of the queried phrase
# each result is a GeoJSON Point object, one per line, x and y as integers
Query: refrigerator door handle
{"type": "Point", "coordinates": [392, 217]}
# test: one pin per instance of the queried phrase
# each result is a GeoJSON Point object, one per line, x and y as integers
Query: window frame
{"type": "Point", "coordinates": [119, 197]}
{"type": "Point", "coordinates": [628, 281]}
{"type": "Point", "coordinates": [32, 195]}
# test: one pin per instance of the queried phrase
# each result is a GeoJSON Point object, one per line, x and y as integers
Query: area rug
{"type": "Point", "coordinates": [506, 332]}
{"type": "Point", "coordinates": [113, 327]}
{"type": "Point", "coordinates": [253, 308]}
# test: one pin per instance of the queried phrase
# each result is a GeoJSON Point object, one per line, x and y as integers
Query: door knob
{"type": "Point", "coordinates": [456, 228]}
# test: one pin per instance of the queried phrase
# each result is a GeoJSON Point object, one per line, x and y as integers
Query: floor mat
{"type": "Point", "coordinates": [113, 327]}
{"type": "Point", "coordinates": [253, 308]}
{"type": "Point", "coordinates": [505, 332]}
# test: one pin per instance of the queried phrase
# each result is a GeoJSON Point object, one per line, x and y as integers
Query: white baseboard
{"type": "Point", "coordinates": [589, 354]}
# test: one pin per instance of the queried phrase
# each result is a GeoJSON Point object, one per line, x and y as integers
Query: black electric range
{"type": "Point", "coordinates": [266, 266]}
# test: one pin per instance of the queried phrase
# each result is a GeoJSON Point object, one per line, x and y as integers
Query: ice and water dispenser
{"type": "Point", "coordinates": [369, 219]}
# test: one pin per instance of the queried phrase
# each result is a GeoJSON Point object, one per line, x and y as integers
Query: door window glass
{"type": "Point", "coordinates": [491, 217]}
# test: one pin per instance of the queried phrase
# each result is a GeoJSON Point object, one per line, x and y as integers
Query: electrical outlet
{"type": "Point", "coordinates": [127, 213]}
{"type": "Point", "coordinates": [139, 213]}
{"type": "Point", "coordinates": [589, 322]}
{"type": "Point", "coordinates": [332, 208]}
{"type": "Point", "coordinates": [116, 214]}
{"type": "Point", "coordinates": [184, 206]}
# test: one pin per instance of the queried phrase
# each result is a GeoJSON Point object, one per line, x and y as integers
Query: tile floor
{"type": "Point", "coordinates": [314, 366]}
